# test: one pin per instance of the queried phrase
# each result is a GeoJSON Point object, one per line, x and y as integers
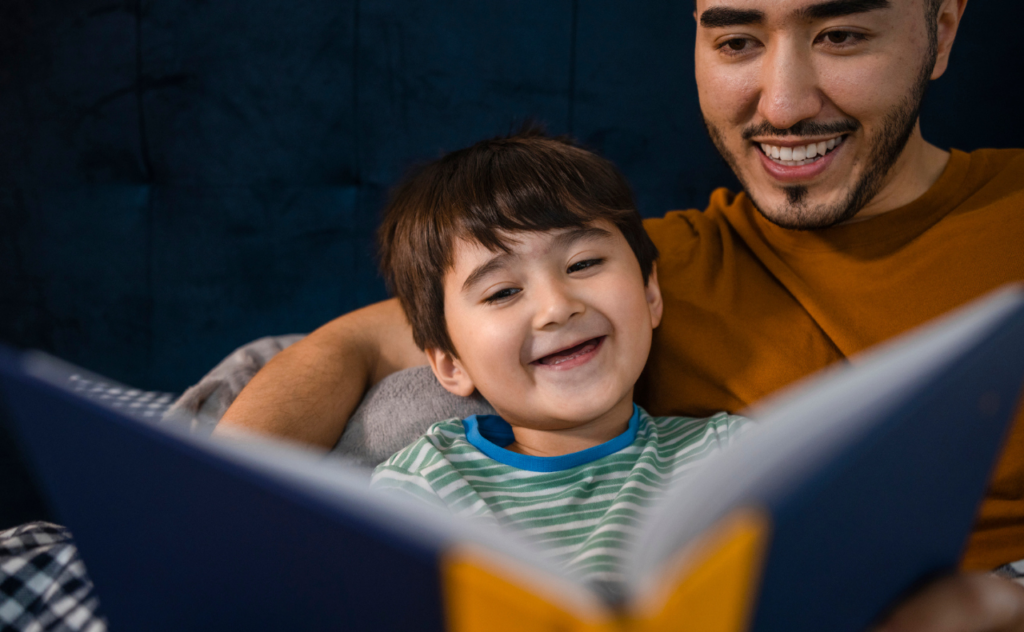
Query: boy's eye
{"type": "Point", "coordinates": [502, 294]}
{"type": "Point", "coordinates": [583, 265]}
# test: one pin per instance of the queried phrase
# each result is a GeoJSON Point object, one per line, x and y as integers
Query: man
{"type": "Point", "coordinates": [851, 229]}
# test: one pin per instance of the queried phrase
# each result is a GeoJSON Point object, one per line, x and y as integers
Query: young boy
{"type": "Point", "coordinates": [527, 275]}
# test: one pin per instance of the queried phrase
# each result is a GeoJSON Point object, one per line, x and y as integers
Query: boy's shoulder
{"type": "Point", "coordinates": [440, 440]}
{"type": "Point", "coordinates": [722, 426]}
{"type": "Point", "coordinates": [718, 419]}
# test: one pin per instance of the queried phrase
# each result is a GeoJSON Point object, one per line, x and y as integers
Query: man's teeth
{"type": "Point", "coordinates": [805, 154]}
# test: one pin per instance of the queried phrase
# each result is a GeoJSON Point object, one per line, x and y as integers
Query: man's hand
{"type": "Point", "coordinates": [962, 603]}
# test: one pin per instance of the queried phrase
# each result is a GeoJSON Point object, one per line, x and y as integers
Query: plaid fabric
{"type": "Point", "coordinates": [43, 582]}
{"type": "Point", "coordinates": [146, 404]}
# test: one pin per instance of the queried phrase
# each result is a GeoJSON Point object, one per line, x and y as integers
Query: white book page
{"type": "Point", "coordinates": [807, 424]}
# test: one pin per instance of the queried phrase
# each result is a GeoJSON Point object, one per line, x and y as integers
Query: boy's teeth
{"type": "Point", "coordinates": [568, 354]}
{"type": "Point", "coordinates": [801, 155]}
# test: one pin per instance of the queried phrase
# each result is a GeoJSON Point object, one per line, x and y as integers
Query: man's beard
{"type": "Point", "coordinates": [887, 146]}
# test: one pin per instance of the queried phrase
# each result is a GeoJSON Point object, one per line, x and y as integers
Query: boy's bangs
{"type": "Point", "coordinates": [535, 195]}
{"type": "Point", "coordinates": [493, 233]}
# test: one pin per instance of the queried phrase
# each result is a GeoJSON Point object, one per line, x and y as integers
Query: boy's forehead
{"type": "Point", "coordinates": [512, 241]}
{"type": "Point", "coordinates": [472, 259]}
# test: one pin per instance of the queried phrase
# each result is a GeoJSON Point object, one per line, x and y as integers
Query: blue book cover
{"type": "Point", "coordinates": [857, 485]}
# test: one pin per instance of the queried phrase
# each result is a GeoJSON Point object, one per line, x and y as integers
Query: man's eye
{"type": "Point", "coordinates": [841, 38]}
{"type": "Point", "coordinates": [736, 45]}
{"type": "Point", "coordinates": [502, 294]}
{"type": "Point", "coordinates": [583, 265]}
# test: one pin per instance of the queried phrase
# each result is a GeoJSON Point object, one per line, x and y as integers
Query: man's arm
{"type": "Point", "coordinates": [308, 391]}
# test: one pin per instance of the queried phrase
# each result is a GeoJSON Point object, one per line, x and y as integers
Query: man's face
{"type": "Point", "coordinates": [812, 102]}
{"type": "Point", "coordinates": [553, 333]}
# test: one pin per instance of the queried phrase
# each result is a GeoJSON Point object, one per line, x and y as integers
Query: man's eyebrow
{"type": "Point", "coordinates": [494, 263]}
{"type": "Point", "coordinates": [840, 8]}
{"type": "Point", "coordinates": [718, 17]}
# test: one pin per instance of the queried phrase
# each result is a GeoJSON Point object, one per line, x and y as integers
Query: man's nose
{"type": "Point", "coordinates": [789, 86]}
{"type": "Point", "coordinates": [556, 304]}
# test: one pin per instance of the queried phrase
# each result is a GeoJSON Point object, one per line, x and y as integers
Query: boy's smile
{"type": "Point", "coordinates": [572, 356]}
{"type": "Point", "coordinates": [554, 333]}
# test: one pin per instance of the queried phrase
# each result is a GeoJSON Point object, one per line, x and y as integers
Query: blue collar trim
{"type": "Point", "coordinates": [490, 434]}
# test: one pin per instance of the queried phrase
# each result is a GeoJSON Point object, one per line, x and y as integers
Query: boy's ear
{"type": "Point", "coordinates": [653, 293]}
{"type": "Point", "coordinates": [450, 373]}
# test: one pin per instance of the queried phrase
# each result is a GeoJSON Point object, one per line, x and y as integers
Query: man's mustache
{"type": "Point", "coordinates": [802, 128]}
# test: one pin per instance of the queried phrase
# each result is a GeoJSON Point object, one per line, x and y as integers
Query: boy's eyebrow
{"type": "Point", "coordinates": [564, 239]}
{"type": "Point", "coordinates": [571, 236]}
{"type": "Point", "coordinates": [494, 263]}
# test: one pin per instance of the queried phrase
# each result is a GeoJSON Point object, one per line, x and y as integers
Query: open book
{"type": "Point", "coordinates": [857, 485]}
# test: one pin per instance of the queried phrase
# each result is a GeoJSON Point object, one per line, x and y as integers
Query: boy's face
{"type": "Point", "coordinates": [554, 334]}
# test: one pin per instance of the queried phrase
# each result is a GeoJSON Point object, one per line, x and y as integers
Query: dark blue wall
{"type": "Point", "coordinates": [179, 177]}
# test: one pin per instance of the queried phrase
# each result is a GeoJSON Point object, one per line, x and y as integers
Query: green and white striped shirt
{"type": "Point", "coordinates": [582, 508]}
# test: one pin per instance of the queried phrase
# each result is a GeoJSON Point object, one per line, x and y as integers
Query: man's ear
{"type": "Point", "coordinates": [450, 373]}
{"type": "Point", "coordinates": [653, 294]}
{"type": "Point", "coordinates": [947, 22]}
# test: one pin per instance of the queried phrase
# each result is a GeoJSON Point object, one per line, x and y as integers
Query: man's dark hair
{"type": "Point", "coordinates": [524, 182]}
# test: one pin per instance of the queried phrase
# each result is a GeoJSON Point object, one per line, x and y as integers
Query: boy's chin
{"type": "Point", "coordinates": [571, 412]}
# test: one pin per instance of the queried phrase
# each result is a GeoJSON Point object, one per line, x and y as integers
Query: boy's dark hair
{"type": "Point", "coordinates": [524, 182]}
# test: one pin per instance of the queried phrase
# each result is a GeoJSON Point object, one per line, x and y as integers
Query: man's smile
{"type": "Point", "coordinates": [796, 153]}
{"type": "Point", "coordinates": [798, 161]}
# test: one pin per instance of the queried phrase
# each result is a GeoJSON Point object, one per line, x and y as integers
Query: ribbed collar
{"type": "Point", "coordinates": [490, 434]}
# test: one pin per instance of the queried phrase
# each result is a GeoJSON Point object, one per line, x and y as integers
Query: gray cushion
{"type": "Point", "coordinates": [203, 404]}
{"type": "Point", "coordinates": [393, 414]}
{"type": "Point", "coordinates": [399, 409]}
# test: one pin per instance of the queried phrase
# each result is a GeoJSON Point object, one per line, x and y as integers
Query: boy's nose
{"type": "Point", "coordinates": [556, 305]}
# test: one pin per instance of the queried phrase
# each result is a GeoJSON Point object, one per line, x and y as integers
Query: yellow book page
{"type": "Point", "coordinates": [709, 587]}
{"type": "Point", "coordinates": [488, 592]}
{"type": "Point", "coordinates": [712, 583]}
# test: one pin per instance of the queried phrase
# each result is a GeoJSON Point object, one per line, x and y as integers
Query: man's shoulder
{"type": "Point", "coordinates": [985, 193]}
{"type": "Point", "coordinates": [999, 159]}
{"type": "Point", "coordinates": [1002, 168]}
{"type": "Point", "coordinates": [682, 233]}
{"type": "Point", "coordinates": [721, 202]}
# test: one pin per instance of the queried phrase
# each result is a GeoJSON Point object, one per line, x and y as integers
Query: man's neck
{"type": "Point", "coordinates": [917, 169]}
